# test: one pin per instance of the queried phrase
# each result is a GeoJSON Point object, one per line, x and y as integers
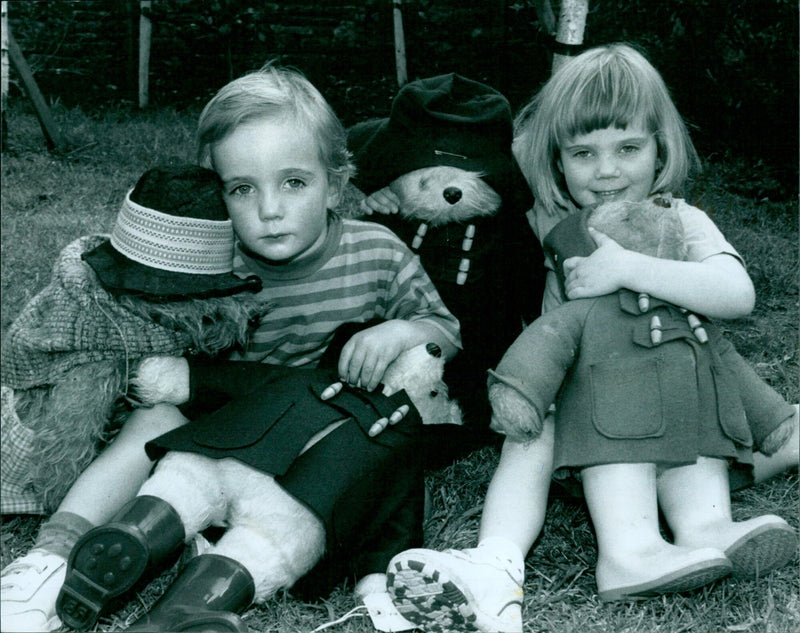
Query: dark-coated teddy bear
{"type": "Point", "coordinates": [445, 152]}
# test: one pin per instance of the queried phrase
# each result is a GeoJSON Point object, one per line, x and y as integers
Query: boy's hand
{"type": "Point", "coordinates": [601, 273]}
{"type": "Point", "coordinates": [382, 201]}
{"type": "Point", "coordinates": [368, 353]}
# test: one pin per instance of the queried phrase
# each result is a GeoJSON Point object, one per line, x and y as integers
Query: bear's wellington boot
{"type": "Point", "coordinates": [109, 560]}
{"type": "Point", "coordinates": [204, 597]}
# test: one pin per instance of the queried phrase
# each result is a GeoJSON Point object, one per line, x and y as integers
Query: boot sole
{"type": "Point", "coordinates": [766, 548]}
{"type": "Point", "coordinates": [429, 598]}
{"type": "Point", "coordinates": [104, 564]}
{"type": "Point", "coordinates": [218, 621]}
{"type": "Point", "coordinates": [687, 579]}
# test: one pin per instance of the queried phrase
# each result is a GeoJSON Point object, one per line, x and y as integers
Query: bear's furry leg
{"type": "Point", "coordinates": [273, 535]}
{"type": "Point", "coordinates": [277, 553]}
{"type": "Point", "coordinates": [192, 485]}
{"type": "Point", "coordinates": [65, 425]}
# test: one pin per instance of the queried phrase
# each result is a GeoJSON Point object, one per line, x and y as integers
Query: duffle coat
{"type": "Point", "coordinates": [620, 398]}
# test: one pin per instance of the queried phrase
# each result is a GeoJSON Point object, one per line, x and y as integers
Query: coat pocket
{"type": "Point", "coordinates": [730, 411]}
{"type": "Point", "coordinates": [635, 398]}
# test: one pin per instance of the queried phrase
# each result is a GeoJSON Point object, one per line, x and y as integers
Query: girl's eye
{"type": "Point", "coordinates": [630, 149]}
{"type": "Point", "coordinates": [295, 183]}
{"type": "Point", "coordinates": [581, 153]}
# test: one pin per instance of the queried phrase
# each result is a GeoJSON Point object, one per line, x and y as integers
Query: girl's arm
{"type": "Point", "coordinates": [717, 287]}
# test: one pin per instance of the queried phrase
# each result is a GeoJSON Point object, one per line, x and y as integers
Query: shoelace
{"type": "Point", "coordinates": [353, 613]}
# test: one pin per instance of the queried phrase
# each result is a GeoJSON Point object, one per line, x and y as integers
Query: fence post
{"type": "Point", "coordinates": [46, 122]}
{"type": "Point", "coordinates": [399, 44]}
{"type": "Point", "coordinates": [145, 31]}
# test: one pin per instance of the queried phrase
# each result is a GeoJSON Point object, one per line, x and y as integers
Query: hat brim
{"type": "Point", "coordinates": [122, 276]}
{"type": "Point", "coordinates": [383, 153]}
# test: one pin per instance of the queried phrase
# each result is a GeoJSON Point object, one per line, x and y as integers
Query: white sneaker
{"type": "Point", "coordinates": [28, 591]}
{"type": "Point", "coordinates": [457, 590]}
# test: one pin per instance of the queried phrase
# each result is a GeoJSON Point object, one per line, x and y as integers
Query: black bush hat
{"type": "Point", "coordinates": [444, 120]}
{"type": "Point", "coordinates": [172, 239]}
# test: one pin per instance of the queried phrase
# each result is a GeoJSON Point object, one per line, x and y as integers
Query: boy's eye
{"type": "Point", "coordinates": [241, 190]}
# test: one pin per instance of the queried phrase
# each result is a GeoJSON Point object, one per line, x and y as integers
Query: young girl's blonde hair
{"type": "Point", "coordinates": [275, 92]}
{"type": "Point", "coordinates": [606, 86]}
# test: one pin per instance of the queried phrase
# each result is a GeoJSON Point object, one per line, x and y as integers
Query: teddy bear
{"type": "Point", "coordinates": [652, 227]}
{"type": "Point", "coordinates": [272, 537]}
{"type": "Point", "coordinates": [67, 358]}
{"type": "Point", "coordinates": [445, 153]}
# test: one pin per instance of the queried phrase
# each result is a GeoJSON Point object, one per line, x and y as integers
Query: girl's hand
{"type": "Point", "coordinates": [368, 353]}
{"type": "Point", "coordinates": [382, 201]}
{"type": "Point", "coordinates": [601, 273]}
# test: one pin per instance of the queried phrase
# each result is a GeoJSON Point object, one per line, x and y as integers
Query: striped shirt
{"type": "Point", "coordinates": [362, 272]}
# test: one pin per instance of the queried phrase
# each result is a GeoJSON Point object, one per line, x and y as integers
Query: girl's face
{"type": "Point", "coordinates": [275, 187]}
{"type": "Point", "coordinates": [609, 164]}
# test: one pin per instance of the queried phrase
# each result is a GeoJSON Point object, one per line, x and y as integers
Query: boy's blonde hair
{"type": "Point", "coordinates": [606, 86]}
{"type": "Point", "coordinates": [274, 92]}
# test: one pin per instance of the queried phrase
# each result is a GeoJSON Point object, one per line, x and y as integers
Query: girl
{"type": "Point", "coordinates": [604, 128]}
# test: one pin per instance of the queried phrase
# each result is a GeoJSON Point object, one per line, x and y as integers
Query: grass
{"type": "Point", "coordinates": [47, 200]}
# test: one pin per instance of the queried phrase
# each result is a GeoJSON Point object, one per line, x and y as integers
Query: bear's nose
{"type": "Point", "coordinates": [452, 194]}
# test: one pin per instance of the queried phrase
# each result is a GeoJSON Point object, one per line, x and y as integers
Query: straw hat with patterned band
{"type": "Point", "coordinates": [172, 240]}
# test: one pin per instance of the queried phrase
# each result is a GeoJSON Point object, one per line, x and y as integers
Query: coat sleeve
{"type": "Point", "coordinates": [537, 362]}
{"type": "Point", "coordinates": [215, 382]}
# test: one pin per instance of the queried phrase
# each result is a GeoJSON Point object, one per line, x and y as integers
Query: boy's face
{"type": "Point", "coordinates": [609, 164]}
{"type": "Point", "coordinates": [275, 187]}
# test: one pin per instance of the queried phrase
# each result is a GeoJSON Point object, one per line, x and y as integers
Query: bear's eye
{"type": "Point", "coordinates": [434, 393]}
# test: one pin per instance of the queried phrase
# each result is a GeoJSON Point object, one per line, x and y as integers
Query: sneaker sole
{"type": "Point", "coordinates": [429, 598]}
{"type": "Point", "coordinates": [687, 579]}
{"type": "Point", "coordinates": [104, 564]}
{"type": "Point", "coordinates": [762, 550]}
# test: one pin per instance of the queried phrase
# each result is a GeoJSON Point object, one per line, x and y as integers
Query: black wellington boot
{"type": "Point", "coordinates": [110, 559]}
{"type": "Point", "coordinates": [204, 597]}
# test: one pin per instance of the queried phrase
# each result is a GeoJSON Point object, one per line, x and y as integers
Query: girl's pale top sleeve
{"type": "Point", "coordinates": [542, 223]}
{"type": "Point", "coordinates": [703, 238]}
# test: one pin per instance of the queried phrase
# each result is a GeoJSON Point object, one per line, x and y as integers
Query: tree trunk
{"type": "Point", "coordinates": [4, 68]}
{"type": "Point", "coordinates": [571, 24]}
